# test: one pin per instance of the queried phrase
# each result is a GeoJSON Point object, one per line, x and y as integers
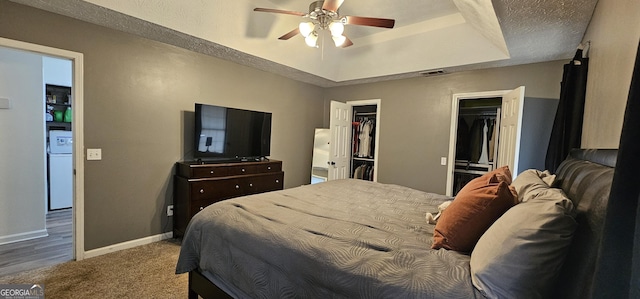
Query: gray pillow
{"type": "Point", "coordinates": [530, 182]}
{"type": "Point", "coordinates": [520, 255]}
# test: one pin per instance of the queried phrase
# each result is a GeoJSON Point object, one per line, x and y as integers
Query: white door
{"type": "Point", "coordinates": [339, 154]}
{"type": "Point", "coordinates": [510, 125]}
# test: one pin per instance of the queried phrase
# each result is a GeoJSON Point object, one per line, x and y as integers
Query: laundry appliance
{"type": "Point", "coordinates": [60, 169]}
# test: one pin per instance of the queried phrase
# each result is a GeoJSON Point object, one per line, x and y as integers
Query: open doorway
{"type": "Point", "coordinates": [11, 106]}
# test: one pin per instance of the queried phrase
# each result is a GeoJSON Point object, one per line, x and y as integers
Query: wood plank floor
{"type": "Point", "coordinates": [47, 251]}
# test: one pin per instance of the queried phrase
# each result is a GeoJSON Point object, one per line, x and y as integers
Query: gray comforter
{"type": "Point", "coordinates": [339, 239]}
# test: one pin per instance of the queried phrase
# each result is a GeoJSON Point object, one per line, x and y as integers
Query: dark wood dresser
{"type": "Point", "coordinates": [198, 185]}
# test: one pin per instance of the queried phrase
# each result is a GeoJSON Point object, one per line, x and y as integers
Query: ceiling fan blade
{"type": "Point", "coordinates": [290, 34]}
{"type": "Point", "coordinates": [366, 21]}
{"type": "Point", "coordinates": [288, 12]}
{"type": "Point", "coordinates": [332, 5]}
{"type": "Point", "coordinates": [347, 43]}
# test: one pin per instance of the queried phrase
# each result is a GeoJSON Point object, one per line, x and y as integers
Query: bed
{"type": "Point", "coordinates": [360, 239]}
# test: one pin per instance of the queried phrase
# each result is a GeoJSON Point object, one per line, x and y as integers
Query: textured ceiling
{"type": "Point", "coordinates": [453, 35]}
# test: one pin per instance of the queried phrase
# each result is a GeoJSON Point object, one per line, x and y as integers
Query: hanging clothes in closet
{"type": "Point", "coordinates": [363, 172]}
{"type": "Point", "coordinates": [492, 136]}
{"type": "Point", "coordinates": [481, 141]}
{"type": "Point", "coordinates": [363, 137]}
{"type": "Point", "coordinates": [462, 140]}
{"type": "Point", "coordinates": [475, 148]}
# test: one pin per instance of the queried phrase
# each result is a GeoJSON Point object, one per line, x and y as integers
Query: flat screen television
{"type": "Point", "coordinates": [223, 133]}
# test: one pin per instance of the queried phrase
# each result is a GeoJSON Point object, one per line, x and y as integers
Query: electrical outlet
{"type": "Point", "coordinates": [170, 210]}
{"type": "Point", "coordinates": [94, 154]}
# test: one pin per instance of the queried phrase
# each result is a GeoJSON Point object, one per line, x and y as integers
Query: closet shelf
{"type": "Point", "coordinates": [479, 172]}
{"type": "Point", "coordinates": [363, 159]}
{"type": "Point", "coordinates": [365, 113]}
{"type": "Point", "coordinates": [467, 163]}
{"type": "Point", "coordinates": [480, 110]}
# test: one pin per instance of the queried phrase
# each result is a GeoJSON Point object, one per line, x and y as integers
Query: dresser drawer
{"type": "Point", "coordinates": [241, 170]}
{"type": "Point", "coordinates": [199, 205]}
{"type": "Point", "coordinates": [209, 172]}
{"type": "Point", "coordinates": [265, 183]}
{"type": "Point", "coordinates": [269, 167]}
{"type": "Point", "coordinates": [215, 189]}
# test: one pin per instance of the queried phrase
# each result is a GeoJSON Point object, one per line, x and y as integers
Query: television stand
{"type": "Point", "coordinates": [198, 184]}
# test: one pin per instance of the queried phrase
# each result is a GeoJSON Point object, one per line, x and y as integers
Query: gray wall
{"type": "Point", "coordinates": [537, 122]}
{"type": "Point", "coordinates": [416, 116]}
{"type": "Point", "coordinates": [139, 98]}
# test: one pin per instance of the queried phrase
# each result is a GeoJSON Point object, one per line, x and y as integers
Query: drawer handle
{"type": "Point", "coordinates": [269, 168]}
{"type": "Point", "coordinates": [201, 208]}
{"type": "Point", "coordinates": [237, 187]}
{"type": "Point", "coordinates": [242, 169]}
{"type": "Point", "coordinates": [250, 185]}
{"type": "Point", "coordinates": [277, 181]}
{"type": "Point", "coordinates": [201, 191]}
{"type": "Point", "coordinates": [211, 172]}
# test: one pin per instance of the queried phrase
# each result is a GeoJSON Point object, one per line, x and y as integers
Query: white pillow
{"type": "Point", "coordinates": [520, 255]}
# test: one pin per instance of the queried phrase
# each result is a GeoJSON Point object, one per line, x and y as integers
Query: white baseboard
{"type": "Point", "coordinates": [23, 236]}
{"type": "Point", "coordinates": [127, 245]}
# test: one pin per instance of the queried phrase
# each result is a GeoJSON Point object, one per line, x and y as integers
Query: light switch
{"type": "Point", "coordinates": [94, 154]}
{"type": "Point", "coordinates": [5, 103]}
{"type": "Point", "coordinates": [443, 161]}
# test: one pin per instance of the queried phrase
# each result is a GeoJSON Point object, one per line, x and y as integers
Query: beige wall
{"type": "Point", "coordinates": [416, 116]}
{"type": "Point", "coordinates": [139, 98]}
{"type": "Point", "coordinates": [22, 156]}
{"type": "Point", "coordinates": [614, 33]}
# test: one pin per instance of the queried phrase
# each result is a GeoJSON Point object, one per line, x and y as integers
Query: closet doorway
{"type": "Point", "coordinates": [354, 146]}
{"type": "Point", "coordinates": [482, 134]}
{"type": "Point", "coordinates": [78, 132]}
{"type": "Point", "coordinates": [496, 122]}
{"type": "Point", "coordinates": [476, 139]}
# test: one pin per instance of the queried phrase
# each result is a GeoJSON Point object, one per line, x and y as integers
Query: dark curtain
{"type": "Point", "coordinates": [567, 125]}
{"type": "Point", "coordinates": [618, 265]}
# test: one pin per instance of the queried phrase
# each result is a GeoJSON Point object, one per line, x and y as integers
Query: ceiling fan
{"type": "Point", "coordinates": [323, 15]}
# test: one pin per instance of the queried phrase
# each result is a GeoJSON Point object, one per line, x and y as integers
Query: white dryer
{"type": "Point", "coordinates": [60, 169]}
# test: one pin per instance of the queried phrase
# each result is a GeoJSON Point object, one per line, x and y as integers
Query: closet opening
{"type": "Point", "coordinates": [364, 133]}
{"type": "Point", "coordinates": [476, 139]}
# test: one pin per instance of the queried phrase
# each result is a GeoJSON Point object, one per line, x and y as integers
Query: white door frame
{"type": "Point", "coordinates": [453, 134]}
{"type": "Point", "coordinates": [77, 128]}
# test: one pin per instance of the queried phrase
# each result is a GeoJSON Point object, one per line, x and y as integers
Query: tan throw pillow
{"type": "Point", "coordinates": [474, 209]}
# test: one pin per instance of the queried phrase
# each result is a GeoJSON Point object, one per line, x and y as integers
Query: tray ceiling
{"type": "Point", "coordinates": [452, 35]}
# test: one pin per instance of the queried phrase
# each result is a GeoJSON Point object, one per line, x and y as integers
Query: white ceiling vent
{"type": "Point", "coordinates": [432, 73]}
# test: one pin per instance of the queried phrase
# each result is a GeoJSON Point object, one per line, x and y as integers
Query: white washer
{"type": "Point", "coordinates": [60, 170]}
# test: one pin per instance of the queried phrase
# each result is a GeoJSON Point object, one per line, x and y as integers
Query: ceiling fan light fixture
{"type": "Point", "coordinates": [312, 39]}
{"type": "Point", "coordinates": [323, 15]}
{"type": "Point", "coordinates": [336, 28]}
{"type": "Point", "coordinates": [339, 40]}
{"type": "Point", "coordinates": [306, 28]}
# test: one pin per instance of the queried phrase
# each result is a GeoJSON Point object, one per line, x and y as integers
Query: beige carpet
{"type": "Point", "coordinates": [146, 271]}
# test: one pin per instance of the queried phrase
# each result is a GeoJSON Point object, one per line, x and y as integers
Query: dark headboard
{"type": "Point", "coordinates": [585, 176]}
